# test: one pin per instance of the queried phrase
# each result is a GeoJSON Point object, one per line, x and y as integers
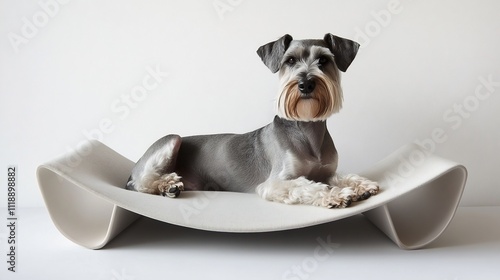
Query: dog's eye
{"type": "Point", "coordinates": [322, 60]}
{"type": "Point", "coordinates": [291, 61]}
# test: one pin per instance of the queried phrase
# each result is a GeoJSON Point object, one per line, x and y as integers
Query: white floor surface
{"type": "Point", "coordinates": [348, 249]}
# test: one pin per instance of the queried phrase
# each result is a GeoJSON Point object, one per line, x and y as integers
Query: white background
{"type": "Point", "coordinates": [66, 78]}
{"type": "Point", "coordinates": [66, 67]}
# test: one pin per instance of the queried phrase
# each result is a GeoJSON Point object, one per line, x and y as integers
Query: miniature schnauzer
{"type": "Point", "coordinates": [292, 160]}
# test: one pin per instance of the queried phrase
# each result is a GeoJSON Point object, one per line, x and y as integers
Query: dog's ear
{"type": "Point", "coordinates": [344, 50]}
{"type": "Point", "coordinates": [272, 53]}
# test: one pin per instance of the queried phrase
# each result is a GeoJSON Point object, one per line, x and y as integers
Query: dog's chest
{"type": "Point", "coordinates": [319, 169]}
{"type": "Point", "coordinates": [306, 149]}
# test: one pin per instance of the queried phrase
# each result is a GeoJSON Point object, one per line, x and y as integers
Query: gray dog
{"type": "Point", "coordinates": [292, 160]}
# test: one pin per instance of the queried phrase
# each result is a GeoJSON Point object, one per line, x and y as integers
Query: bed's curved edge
{"type": "Point", "coordinates": [418, 217]}
{"type": "Point", "coordinates": [81, 216]}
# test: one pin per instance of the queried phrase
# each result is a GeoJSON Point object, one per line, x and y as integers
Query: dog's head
{"type": "Point", "coordinates": [309, 74]}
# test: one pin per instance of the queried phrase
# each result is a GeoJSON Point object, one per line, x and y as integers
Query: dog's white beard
{"type": "Point", "coordinates": [325, 101]}
{"type": "Point", "coordinates": [307, 109]}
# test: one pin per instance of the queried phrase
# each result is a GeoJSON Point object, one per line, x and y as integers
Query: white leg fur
{"type": "Point", "coordinates": [304, 191]}
{"type": "Point", "coordinates": [362, 187]}
{"type": "Point", "coordinates": [153, 180]}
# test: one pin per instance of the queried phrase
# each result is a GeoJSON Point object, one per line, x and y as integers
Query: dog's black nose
{"type": "Point", "coordinates": [306, 86]}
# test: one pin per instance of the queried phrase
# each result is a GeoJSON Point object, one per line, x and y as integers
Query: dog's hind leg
{"type": "Point", "coordinates": [154, 172]}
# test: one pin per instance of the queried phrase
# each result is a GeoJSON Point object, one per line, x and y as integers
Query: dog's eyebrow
{"type": "Point", "coordinates": [318, 51]}
{"type": "Point", "coordinates": [297, 52]}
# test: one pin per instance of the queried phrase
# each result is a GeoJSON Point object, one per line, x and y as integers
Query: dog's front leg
{"type": "Point", "coordinates": [304, 191]}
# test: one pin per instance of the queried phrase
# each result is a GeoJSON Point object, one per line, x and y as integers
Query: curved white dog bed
{"type": "Point", "coordinates": [86, 200]}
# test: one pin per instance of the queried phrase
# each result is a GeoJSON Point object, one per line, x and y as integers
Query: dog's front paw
{"type": "Point", "coordinates": [365, 189]}
{"type": "Point", "coordinates": [173, 191]}
{"type": "Point", "coordinates": [169, 185]}
{"type": "Point", "coordinates": [339, 197]}
{"type": "Point", "coordinates": [362, 187]}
